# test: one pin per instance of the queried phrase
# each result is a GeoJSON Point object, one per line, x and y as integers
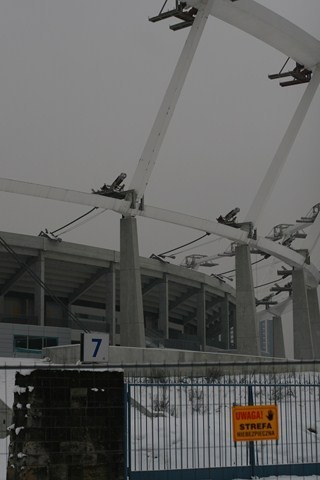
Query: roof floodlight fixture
{"type": "Point", "coordinates": [45, 233]}
{"type": "Point", "coordinates": [257, 251]}
{"type": "Point", "coordinates": [181, 11]}
{"type": "Point", "coordinates": [267, 301]}
{"type": "Point", "coordinates": [300, 234]}
{"type": "Point", "coordinates": [288, 239]}
{"type": "Point", "coordinates": [162, 255]}
{"type": "Point", "coordinates": [115, 190]}
{"type": "Point", "coordinates": [222, 278]}
{"type": "Point", "coordinates": [158, 257]}
{"type": "Point", "coordinates": [311, 215]}
{"type": "Point", "coordinates": [299, 75]}
{"type": "Point", "coordinates": [278, 231]}
{"type": "Point", "coordinates": [230, 218]}
{"type": "Point", "coordinates": [284, 272]}
{"type": "Point", "coordinates": [197, 260]}
{"type": "Point", "coordinates": [286, 288]}
{"type": "Point", "coordinates": [230, 251]}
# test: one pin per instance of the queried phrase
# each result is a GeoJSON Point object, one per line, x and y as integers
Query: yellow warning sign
{"type": "Point", "coordinates": [258, 422]}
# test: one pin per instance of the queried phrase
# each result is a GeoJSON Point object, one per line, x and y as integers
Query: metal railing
{"type": "Point", "coordinates": [179, 417]}
{"type": "Point", "coordinates": [186, 423]}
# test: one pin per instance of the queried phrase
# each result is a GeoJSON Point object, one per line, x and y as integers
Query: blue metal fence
{"type": "Point", "coordinates": [183, 429]}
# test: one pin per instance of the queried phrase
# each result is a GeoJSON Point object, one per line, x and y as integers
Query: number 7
{"type": "Point", "coordinates": [98, 343]}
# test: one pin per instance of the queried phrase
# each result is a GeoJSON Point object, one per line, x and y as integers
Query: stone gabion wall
{"type": "Point", "coordinates": [67, 425]}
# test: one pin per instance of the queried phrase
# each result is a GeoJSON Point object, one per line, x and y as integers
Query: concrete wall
{"type": "Point", "coordinates": [135, 357]}
{"type": "Point", "coordinates": [67, 425]}
{"type": "Point", "coordinates": [5, 419]}
{"type": "Point", "coordinates": [9, 330]}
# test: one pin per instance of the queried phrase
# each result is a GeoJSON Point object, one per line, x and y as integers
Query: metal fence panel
{"type": "Point", "coordinates": [188, 424]}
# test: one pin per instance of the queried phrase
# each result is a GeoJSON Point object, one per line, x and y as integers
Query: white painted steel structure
{"type": "Point", "coordinates": [269, 27]}
{"type": "Point", "coordinates": [277, 164]}
{"type": "Point", "coordinates": [150, 153]}
{"type": "Point", "coordinates": [272, 29]}
{"type": "Point", "coordinates": [281, 252]}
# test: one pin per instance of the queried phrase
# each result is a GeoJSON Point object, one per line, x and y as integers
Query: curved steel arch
{"type": "Point", "coordinates": [285, 254]}
{"type": "Point", "coordinates": [269, 27]}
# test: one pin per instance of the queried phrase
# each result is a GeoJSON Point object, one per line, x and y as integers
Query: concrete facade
{"type": "Point", "coordinates": [10, 332]}
{"type": "Point", "coordinates": [70, 354]}
{"type": "Point", "coordinates": [182, 308]}
{"type": "Point", "coordinates": [174, 307]}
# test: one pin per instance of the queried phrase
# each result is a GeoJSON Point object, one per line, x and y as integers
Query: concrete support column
{"type": "Point", "coordinates": [39, 293]}
{"type": "Point", "coordinates": [201, 317]}
{"type": "Point", "coordinates": [111, 302]}
{"type": "Point", "coordinates": [302, 342]}
{"type": "Point", "coordinates": [247, 331]}
{"type": "Point", "coordinates": [225, 323]}
{"type": "Point", "coordinates": [1, 304]}
{"type": "Point", "coordinates": [163, 320]}
{"type": "Point", "coordinates": [278, 341]}
{"type": "Point", "coordinates": [132, 332]}
{"type": "Point", "coordinates": [314, 315]}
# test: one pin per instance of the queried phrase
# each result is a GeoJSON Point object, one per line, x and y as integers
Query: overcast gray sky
{"type": "Point", "coordinates": [81, 83]}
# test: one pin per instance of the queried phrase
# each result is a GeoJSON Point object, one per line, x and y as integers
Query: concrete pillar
{"type": "Point", "coordinates": [247, 331]}
{"type": "Point", "coordinates": [302, 343]}
{"type": "Point", "coordinates": [163, 320]}
{"type": "Point", "coordinates": [39, 293]}
{"type": "Point", "coordinates": [201, 317]}
{"type": "Point", "coordinates": [1, 304]}
{"type": "Point", "coordinates": [132, 332]}
{"type": "Point", "coordinates": [278, 341]}
{"type": "Point", "coordinates": [314, 315]}
{"type": "Point", "coordinates": [225, 323]}
{"type": "Point", "coordinates": [111, 302]}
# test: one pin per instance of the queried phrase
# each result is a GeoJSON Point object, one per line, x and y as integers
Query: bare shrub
{"type": "Point", "coordinates": [196, 398]}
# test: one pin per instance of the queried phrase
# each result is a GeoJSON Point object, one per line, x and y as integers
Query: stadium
{"type": "Point", "coordinates": [52, 291]}
{"type": "Point", "coordinates": [77, 287]}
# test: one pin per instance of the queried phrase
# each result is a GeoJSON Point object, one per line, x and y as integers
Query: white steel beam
{"type": "Point", "coordinates": [150, 152]}
{"type": "Point", "coordinates": [274, 170]}
{"type": "Point", "coordinates": [269, 27]}
{"type": "Point", "coordinates": [60, 194]}
{"type": "Point", "coordinates": [281, 252]}
{"type": "Point", "coordinates": [296, 228]}
{"type": "Point", "coordinates": [236, 235]}
{"type": "Point", "coordinates": [195, 223]}
{"type": "Point", "coordinates": [290, 230]}
{"type": "Point", "coordinates": [308, 244]}
{"type": "Point", "coordinates": [313, 235]}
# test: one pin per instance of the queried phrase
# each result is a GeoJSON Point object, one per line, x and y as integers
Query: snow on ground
{"type": "Point", "coordinates": [7, 382]}
{"type": "Point", "coordinates": [288, 477]}
{"type": "Point", "coordinates": [189, 425]}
